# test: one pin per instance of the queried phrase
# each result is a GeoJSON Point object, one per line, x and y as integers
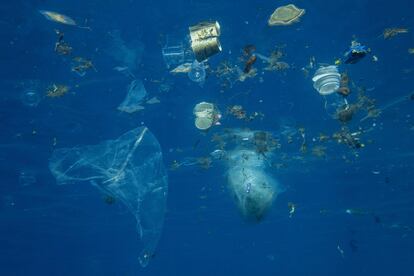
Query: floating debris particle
{"type": "Point", "coordinates": [357, 212]}
{"type": "Point", "coordinates": [249, 63]}
{"type": "Point", "coordinates": [228, 74]}
{"type": "Point", "coordinates": [81, 65]}
{"type": "Point", "coordinates": [285, 15]}
{"type": "Point", "coordinates": [121, 68]}
{"type": "Point", "coordinates": [135, 109]}
{"type": "Point", "coordinates": [356, 52]}
{"type": "Point", "coordinates": [323, 137]}
{"type": "Point", "coordinates": [57, 90]}
{"type": "Point", "coordinates": [251, 74]}
{"type": "Point", "coordinates": [344, 89]}
{"type": "Point", "coordinates": [237, 111]}
{"type": "Point", "coordinates": [292, 209]}
{"type": "Point", "coordinates": [182, 68]}
{"type": "Point", "coordinates": [312, 62]}
{"type": "Point", "coordinates": [264, 142]}
{"type": "Point", "coordinates": [391, 32]}
{"type": "Point", "coordinates": [319, 151]}
{"type": "Point", "coordinates": [274, 63]}
{"type": "Point", "coordinates": [344, 136]}
{"type": "Point", "coordinates": [248, 57]}
{"type": "Point", "coordinates": [248, 50]}
{"type": "Point", "coordinates": [58, 17]}
{"type": "Point", "coordinates": [174, 165]}
{"type": "Point", "coordinates": [345, 113]}
{"type": "Point", "coordinates": [153, 100]}
{"type": "Point", "coordinates": [61, 18]}
{"type": "Point", "coordinates": [218, 154]}
{"type": "Point", "coordinates": [341, 251]}
{"type": "Point", "coordinates": [61, 46]}
{"type": "Point", "coordinates": [204, 162]}
{"type": "Point", "coordinates": [411, 51]}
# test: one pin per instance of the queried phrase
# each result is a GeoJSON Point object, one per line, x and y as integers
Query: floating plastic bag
{"type": "Point", "coordinates": [134, 98]}
{"type": "Point", "coordinates": [253, 187]}
{"type": "Point", "coordinates": [131, 170]}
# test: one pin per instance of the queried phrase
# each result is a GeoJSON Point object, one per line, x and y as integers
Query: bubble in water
{"type": "Point", "coordinates": [30, 97]}
{"type": "Point", "coordinates": [197, 72]}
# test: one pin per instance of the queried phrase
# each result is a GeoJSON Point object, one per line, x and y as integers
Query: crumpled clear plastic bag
{"type": "Point", "coordinates": [129, 168]}
{"type": "Point", "coordinates": [134, 98]}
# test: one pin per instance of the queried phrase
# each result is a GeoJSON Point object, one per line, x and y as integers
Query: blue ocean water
{"type": "Point", "coordinates": [341, 206]}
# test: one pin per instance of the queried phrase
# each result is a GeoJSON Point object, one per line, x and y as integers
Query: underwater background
{"type": "Point", "coordinates": [340, 209]}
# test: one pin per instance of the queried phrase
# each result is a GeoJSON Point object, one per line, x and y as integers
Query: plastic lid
{"type": "Point", "coordinates": [319, 76]}
{"type": "Point", "coordinates": [328, 88]}
{"type": "Point", "coordinates": [203, 109]}
{"type": "Point", "coordinates": [203, 123]}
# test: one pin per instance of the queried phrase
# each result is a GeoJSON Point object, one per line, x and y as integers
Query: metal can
{"type": "Point", "coordinates": [204, 40]}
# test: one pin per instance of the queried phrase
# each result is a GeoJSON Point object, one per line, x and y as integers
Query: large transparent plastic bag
{"type": "Point", "coordinates": [251, 186]}
{"type": "Point", "coordinates": [131, 170]}
{"type": "Point", "coordinates": [249, 179]}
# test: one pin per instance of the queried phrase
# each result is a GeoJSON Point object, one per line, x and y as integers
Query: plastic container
{"type": "Point", "coordinates": [173, 55]}
{"type": "Point", "coordinates": [326, 80]}
{"type": "Point", "coordinates": [197, 72]}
